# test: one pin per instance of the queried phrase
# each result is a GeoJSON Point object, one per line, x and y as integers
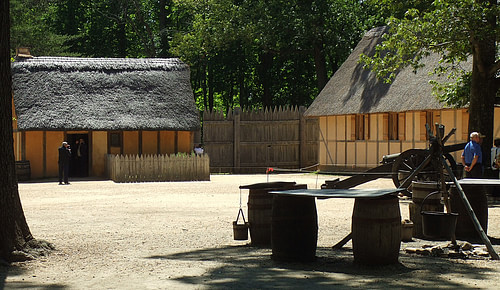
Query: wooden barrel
{"type": "Point", "coordinates": [260, 206]}
{"type": "Point", "coordinates": [294, 231]}
{"type": "Point", "coordinates": [476, 195]}
{"type": "Point", "coordinates": [420, 189]}
{"type": "Point", "coordinates": [376, 230]}
{"type": "Point", "coordinates": [23, 170]}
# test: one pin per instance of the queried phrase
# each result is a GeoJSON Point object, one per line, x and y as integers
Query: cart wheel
{"type": "Point", "coordinates": [406, 163]}
{"type": "Point", "coordinates": [409, 160]}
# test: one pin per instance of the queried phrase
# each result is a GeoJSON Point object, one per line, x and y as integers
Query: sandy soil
{"type": "Point", "coordinates": [179, 235]}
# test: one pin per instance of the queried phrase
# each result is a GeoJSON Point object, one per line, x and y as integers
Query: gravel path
{"type": "Point", "coordinates": [178, 235]}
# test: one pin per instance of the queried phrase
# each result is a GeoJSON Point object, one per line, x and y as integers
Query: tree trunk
{"type": "Point", "coordinates": [14, 231]}
{"type": "Point", "coordinates": [162, 21]}
{"type": "Point", "coordinates": [210, 80]}
{"type": "Point", "coordinates": [320, 65]}
{"type": "Point", "coordinates": [242, 88]}
{"type": "Point", "coordinates": [484, 88]}
{"type": "Point", "coordinates": [203, 81]}
{"type": "Point", "coordinates": [122, 31]}
{"type": "Point", "coordinates": [266, 79]}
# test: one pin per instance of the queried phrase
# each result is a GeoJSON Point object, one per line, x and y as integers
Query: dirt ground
{"type": "Point", "coordinates": [178, 235]}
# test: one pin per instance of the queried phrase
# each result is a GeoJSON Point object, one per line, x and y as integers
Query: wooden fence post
{"type": "Point", "coordinates": [302, 138]}
{"type": "Point", "coordinates": [236, 137]}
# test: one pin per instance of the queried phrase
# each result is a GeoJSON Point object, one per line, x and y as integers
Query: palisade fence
{"type": "Point", "coordinates": [251, 141]}
{"type": "Point", "coordinates": [144, 168]}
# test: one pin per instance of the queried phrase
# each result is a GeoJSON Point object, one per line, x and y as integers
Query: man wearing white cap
{"type": "Point", "coordinates": [472, 157]}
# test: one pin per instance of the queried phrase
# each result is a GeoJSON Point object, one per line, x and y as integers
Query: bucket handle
{"type": "Point", "coordinates": [242, 215]}
{"type": "Point", "coordinates": [423, 201]}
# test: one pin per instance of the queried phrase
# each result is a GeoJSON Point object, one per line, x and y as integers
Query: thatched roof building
{"type": "Point", "coordinates": [62, 93]}
{"type": "Point", "coordinates": [355, 90]}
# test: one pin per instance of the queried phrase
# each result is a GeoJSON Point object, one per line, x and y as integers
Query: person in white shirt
{"type": "Point", "coordinates": [198, 149]}
{"type": "Point", "coordinates": [495, 156]}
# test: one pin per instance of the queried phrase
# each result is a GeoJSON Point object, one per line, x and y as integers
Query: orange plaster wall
{"type": "Point", "coordinates": [167, 142]}
{"type": "Point", "coordinates": [334, 129]}
{"type": "Point", "coordinates": [130, 142]}
{"type": "Point", "coordinates": [372, 157]}
{"type": "Point", "coordinates": [34, 152]}
{"type": "Point", "coordinates": [185, 141]}
{"type": "Point", "coordinates": [351, 153]}
{"type": "Point", "coordinates": [496, 124]}
{"type": "Point", "coordinates": [53, 142]}
{"type": "Point", "coordinates": [17, 146]}
{"type": "Point", "coordinates": [99, 151]}
{"type": "Point", "coordinates": [149, 142]}
{"type": "Point", "coordinates": [361, 159]}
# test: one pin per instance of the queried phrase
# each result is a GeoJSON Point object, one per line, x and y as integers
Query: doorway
{"type": "Point", "coordinates": [79, 164]}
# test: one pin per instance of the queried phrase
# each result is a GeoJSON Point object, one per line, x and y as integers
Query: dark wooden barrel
{"type": "Point", "coordinates": [260, 206]}
{"type": "Point", "coordinates": [294, 231]}
{"type": "Point", "coordinates": [376, 231]}
{"type": "Point", "coordinates": [23, 170]}
{"type": "Point", "coordinates": [476, 195]}
{"type": "Point", "coordinates": [420, 189]}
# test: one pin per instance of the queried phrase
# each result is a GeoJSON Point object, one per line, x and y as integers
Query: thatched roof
{"type": "Point", "coordinates": [355, 90]}
{"type": "Point", "coordinates": [59, 93]}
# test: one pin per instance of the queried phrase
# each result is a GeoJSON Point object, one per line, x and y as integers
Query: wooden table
{"type": "Point", "coordinates": [376, 224]}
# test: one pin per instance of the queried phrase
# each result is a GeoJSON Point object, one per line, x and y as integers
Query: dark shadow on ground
{"type": "Point", "coordinates": [55, 180]}
{"type": "Point", "coordinates": [15, 270]}
{"type": "Point", "coordinates": [250, 267]}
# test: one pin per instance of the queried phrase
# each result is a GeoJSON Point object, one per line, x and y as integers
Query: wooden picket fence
{"type": "Point", "coordinates": [151, 168]}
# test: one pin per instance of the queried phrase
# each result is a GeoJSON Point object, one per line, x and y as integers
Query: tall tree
{"type": "Point", "coordinates": [14, 231]}
{"type": "Point", "coordinates": [31, 27]}
{"type": "Point", "coordinates": [457, 30]}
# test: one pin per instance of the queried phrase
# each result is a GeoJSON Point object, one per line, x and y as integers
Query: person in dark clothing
{"type": "Point", "coordinates": [64, 159]}
{"type": "Point", "coordinates": [82, 158]}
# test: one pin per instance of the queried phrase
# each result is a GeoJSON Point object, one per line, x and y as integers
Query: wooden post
{"type": "Point", "coordinates": [471, 213]}
{"type": "Point", "coordinates": [236, 139]}
{"type": "Point", "coordinates": [302, 138]}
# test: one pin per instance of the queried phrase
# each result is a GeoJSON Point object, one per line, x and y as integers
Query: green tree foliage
{"type": "Point", "coordinates": [30, 27]}
{"type": "Point", "coordinates": [457, 30]}
{"type": "Point", "coordinates": [264, 53]}
{"type": "Point", "coordinates": [250, 53]}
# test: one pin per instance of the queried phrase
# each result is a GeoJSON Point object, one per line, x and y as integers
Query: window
{"type": "Point", "coordinates": [115, 140]}
{"type": "Point", "coordinates": [394, 126]}
{"type": "Point", "coordinates": [362, 127]}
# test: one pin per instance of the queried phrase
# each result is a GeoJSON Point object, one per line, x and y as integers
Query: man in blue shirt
{"type": "Point", "coordinates": [472, 157]}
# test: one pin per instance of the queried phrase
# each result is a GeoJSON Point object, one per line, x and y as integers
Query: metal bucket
{"type": "Point", "coordinates": [436, 224]}
{"type": "Point", "coordinates": [420, 189]}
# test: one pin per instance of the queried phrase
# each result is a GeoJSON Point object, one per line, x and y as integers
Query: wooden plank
{"type": "Point", "coordinates": [340, 193]}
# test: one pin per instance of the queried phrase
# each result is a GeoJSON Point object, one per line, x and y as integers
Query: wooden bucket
{"type": "Point", "coordinates": [240, 231]}
{"type": "Point", "coordinates": [260, 207]}
{"type": "Point", "coordinates": [376, 230]}
{"type": "Point", "coordinates": [476, 195]}
{"type": "Point", "coordinates": [420, 189]}
{"type": "Point", "coordinates": [23, 170]}
{"type": "Point", "coordinates": [294, 231]}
